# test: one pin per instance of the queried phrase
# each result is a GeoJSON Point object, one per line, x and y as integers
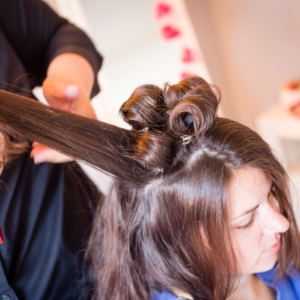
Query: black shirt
{"type": "Point", "coordinates": [46, 210]}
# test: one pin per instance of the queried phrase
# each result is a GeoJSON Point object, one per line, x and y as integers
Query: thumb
{"type": "Point", "coordinates": [59, 89]}
{"type": "Point", "coordinates": [53, 88]}
{"type": "Point", "coordinates": [71, 91]}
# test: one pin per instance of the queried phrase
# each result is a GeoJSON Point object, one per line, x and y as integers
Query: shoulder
{"type": "Point", "coordinates": [287, 288]}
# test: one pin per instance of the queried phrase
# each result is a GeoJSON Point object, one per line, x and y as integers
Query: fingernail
{"type": "Point", "coordinates": [39, 159]}
{"type": "Point", "coordinates": [71, 91]}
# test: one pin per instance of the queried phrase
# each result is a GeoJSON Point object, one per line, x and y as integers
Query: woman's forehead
{"type": "Point", "coordinates": [247, 189]}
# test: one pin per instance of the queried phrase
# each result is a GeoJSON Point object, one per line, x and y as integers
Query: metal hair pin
{"type": "Point", "coordinates": [160, 170]}
{"type": "Point", "coordinates": [144, 129]}
{"type": "Point", "coordinates": [186, 139]}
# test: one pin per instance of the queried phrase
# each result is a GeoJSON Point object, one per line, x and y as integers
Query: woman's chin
{"type": "Point", "coordinates": [267, 263]}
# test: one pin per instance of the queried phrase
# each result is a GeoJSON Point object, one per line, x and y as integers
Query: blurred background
{"type": "Point", "coordinates": [250, 49]}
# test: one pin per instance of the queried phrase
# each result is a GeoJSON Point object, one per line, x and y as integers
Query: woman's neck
{"type": "Point", "coordinates": [247, 288]}
{"type": "Point", "coordinates": [251, 288]}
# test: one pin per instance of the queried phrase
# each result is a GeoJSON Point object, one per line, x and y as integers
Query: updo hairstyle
{"type": "Point", "coordinates": [169, 229]}
{"type": "Point", "coordinates": [164, 117]}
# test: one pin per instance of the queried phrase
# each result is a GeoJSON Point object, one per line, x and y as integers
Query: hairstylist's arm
{"type": "Point", "coordinates": [68, 86]}
{"type": "Point", "coordinates": [52, 48]}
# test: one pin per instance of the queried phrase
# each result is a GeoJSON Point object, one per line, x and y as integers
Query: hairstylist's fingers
{"type": "Point", "coordinates": [71, 91]}
{"type": "Point", "coordinates": [59, 93]}
{"type": "Point", "coordinates": [67, 96]}
{"type": "Point", "coordinates": [41, 154]}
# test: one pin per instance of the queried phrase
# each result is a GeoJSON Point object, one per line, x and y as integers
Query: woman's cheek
{"type": "Point", "coordinates": [247, 250]}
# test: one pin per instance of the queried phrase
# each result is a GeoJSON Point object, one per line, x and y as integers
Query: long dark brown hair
{"type": "Point", "coordinates": [164, 226]}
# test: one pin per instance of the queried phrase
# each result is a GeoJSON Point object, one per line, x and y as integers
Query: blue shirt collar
{"type": "Point", "coordinates": [286, 289]}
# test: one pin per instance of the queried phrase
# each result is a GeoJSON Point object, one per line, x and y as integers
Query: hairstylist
{"type": "Point", "coordinates": [46, 210]}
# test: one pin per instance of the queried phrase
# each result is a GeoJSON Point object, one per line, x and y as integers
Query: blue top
{"type": "Point", "coordinates": [285, 291]}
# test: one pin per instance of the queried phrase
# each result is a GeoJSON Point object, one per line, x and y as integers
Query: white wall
{"type": "Point", "coordinates": [127, 35]}
{"type": "Point", "coordinates": [251, 48]}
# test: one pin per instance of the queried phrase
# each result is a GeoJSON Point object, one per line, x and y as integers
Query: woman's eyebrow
{"type": "Point", "coordinates": [247, 211]}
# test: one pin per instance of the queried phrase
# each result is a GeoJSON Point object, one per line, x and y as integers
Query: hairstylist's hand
{"type": "Point", "coordinates": [67, 95]}
{"type": "Point", "coordinates": [68, 86]}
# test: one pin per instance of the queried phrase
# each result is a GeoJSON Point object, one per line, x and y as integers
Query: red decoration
{"type": "Point", "coordinates": [185, 75]}
{"type": "Point", "coordinates": [295, 109]}
{"type": "Point", "coordinates": [1, 236]}
{"type": "Point", "coordinates": [292, 85]}
{"type": "Point", "coordinates": [188, 55]}
{"type": "Point", "coordinates": [170, 32]}
{"type": "Point", "coordinates": [162, 9]}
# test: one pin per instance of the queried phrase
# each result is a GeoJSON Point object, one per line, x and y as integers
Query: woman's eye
{"type": "Point", "coordinates": [273, 201]}
{"type": "Point", "coordinates": [249, 224]}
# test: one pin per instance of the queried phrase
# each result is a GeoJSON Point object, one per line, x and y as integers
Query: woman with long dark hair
{"type": "Point", "coordinates": [200, 208]}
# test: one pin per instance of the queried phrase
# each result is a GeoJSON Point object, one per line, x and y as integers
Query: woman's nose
{"type": "Point", "coordinates": [276, 223]}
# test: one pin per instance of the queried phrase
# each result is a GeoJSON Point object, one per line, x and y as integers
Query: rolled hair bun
{"type": "Point", "coordinates": [193, 107]}
{"type": "Point", "coordinates": [162, 117]}
{"type": "Point", "coordinates": [146, 108]}
{"type": "Point", "coordinates": [189, 107]}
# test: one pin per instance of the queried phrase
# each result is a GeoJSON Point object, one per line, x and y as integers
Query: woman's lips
{"type": "Point", "coordinates": [274, 248]}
